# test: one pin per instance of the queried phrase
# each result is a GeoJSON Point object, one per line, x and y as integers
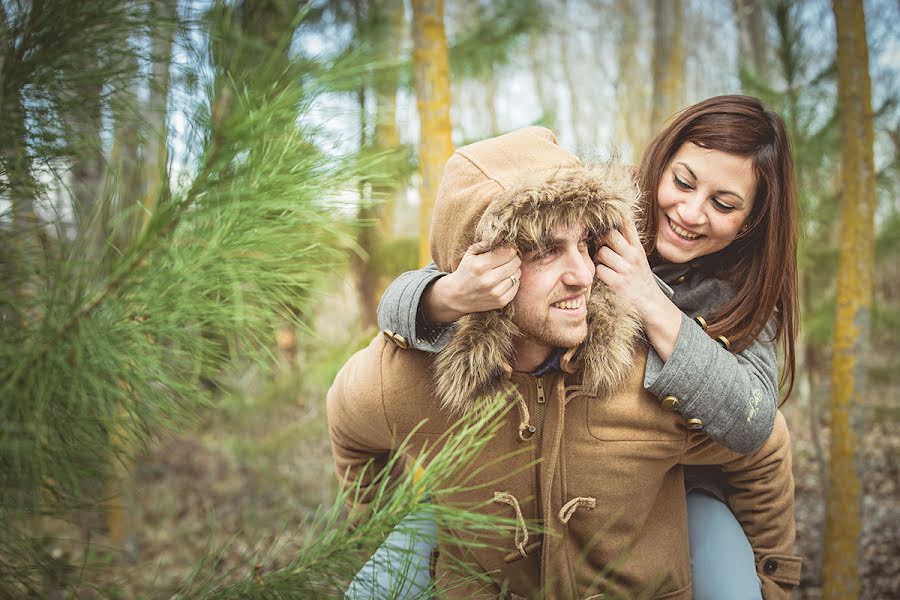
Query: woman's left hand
{"type": "Point", "coordinates": [622, 265]}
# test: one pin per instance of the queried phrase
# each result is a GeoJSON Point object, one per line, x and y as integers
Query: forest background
{"type": "Point", "coordinates": [201, 202]}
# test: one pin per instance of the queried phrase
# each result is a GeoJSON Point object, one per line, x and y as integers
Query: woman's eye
{"type": "Point", "coordinates": [721, 206]}
{"type": "Point", "coordinates": [680, 183]}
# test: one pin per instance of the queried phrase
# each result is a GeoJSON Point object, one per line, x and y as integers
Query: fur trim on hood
{"type": "Point", "coordinates": [516, 189]}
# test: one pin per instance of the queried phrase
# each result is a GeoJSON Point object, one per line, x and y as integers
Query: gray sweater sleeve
{"type": "Point", "coordinates": [734, 395]}
{"type": "Point", "coordinates": [399, 308]}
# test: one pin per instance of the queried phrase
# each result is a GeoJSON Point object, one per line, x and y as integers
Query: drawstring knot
{"type": "Point", "coordinates": [568, 509]}
{"type": "Point", "coordinates": [526, 429]}
{"type": "Point", "coordinates": [521, 527]}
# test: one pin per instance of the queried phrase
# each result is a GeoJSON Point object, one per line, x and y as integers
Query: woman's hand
{"type": "Point", "coordinates": [622, 265]}
{"type": "Point", "coordinates": [483, 281]}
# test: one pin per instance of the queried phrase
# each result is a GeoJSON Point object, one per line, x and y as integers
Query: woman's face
{"type": "Point", "coordinates": [703, 200]}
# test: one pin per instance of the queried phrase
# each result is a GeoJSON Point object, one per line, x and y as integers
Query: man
{"type": "Point", "coordinates": [587, 453]}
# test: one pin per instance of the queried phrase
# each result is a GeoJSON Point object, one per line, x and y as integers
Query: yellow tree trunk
{"type": "Point", "coordinates": [856, 266]}
{"type": "Point", "coordinates": [432, 76]}
{"type": "Point", "coordinates": [668, 60]}
{"type": "Point", "coordinates": [632, 87]}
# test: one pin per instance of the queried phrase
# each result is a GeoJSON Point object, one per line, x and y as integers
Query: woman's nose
{"type": "Point", "coordinates": [690, 211]}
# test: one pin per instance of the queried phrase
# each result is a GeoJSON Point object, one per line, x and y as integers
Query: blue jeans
{"type": "Point", "coordinates": [722, 562]}
{"type": "Point", "coordinates": [401, 567]}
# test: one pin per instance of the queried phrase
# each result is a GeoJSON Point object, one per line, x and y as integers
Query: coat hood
{"type": "Point", "coordinates": [515, 189]}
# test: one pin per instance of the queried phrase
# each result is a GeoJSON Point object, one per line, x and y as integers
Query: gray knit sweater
{"type": "Point", "coordinates": [734, 395]}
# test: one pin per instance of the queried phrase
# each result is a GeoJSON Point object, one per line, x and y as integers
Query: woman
{"type": "Point", "coordinates": [714, 281]}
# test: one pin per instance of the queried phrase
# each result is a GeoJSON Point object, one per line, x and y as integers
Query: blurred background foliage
{"type": "Point", "coordinates": [201, 203]}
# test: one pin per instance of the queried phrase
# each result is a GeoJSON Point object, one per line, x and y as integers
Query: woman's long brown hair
{"type": "Point", "coordinates": [762, 260]}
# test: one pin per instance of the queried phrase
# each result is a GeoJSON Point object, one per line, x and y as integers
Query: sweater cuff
{"type": "Point", "coordinates": [427, 336]}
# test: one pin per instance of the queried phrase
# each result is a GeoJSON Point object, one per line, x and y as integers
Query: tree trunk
{"type": "Point", "coordinates": [539, 73]}
{"type": "Point", "coordinates": [750, 18]}
{"type": "Point", "coordinates": [856, 266]}
{"type": "Point", "coordinates": [632, 125]}
{"type": "Point", "coordinates": [367, 235]}
{"type": "Point", "coordinates": [668, 61]}
{"type": "Point", "coordinates": [489, 82]}
{"type": "Point", "coordinates": [569, 77]}
{"type": "Point", "coordinates": [387, 134]}
{"type": "Point", "coordinates": [432, 81]}
{"type": "Point", "coordinates": [164, 14]}
{"type": "Point", "coordinates": [87, 164]}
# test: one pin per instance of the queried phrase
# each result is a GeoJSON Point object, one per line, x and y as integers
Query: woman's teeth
{"type": "Point", "coordinates": [683, 233]}
{"type": "Point", "coordinates": [568, 304]}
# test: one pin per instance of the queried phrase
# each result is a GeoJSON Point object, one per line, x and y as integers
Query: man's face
{"type": "Point", "coordinates": [550, 307]}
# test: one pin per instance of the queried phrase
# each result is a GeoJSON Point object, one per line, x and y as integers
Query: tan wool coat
{"type": "Point", "coordinates": [589, 458]}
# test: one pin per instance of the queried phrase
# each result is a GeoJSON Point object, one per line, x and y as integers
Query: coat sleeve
{"type": "Point", "coordinates": [734, 395]}
{"type": "Point", "coordinates": [399, 309]}
{"type": "Point", "coordinates": [361, 436]}
{"type": "Point", "coordinates": [762, 498]}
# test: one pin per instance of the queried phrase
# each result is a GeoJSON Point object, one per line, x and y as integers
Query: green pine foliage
{"type": "Point", "coordinates": [98, 353]}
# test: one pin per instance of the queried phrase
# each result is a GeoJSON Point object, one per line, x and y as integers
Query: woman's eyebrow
{"type": "Point", "coordinates": [689, 170]}
{"type": "Point", "coordinates": [720, 192]}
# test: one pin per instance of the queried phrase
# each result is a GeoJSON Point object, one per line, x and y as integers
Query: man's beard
{"type": "Point", "coordinates": [537, 326]}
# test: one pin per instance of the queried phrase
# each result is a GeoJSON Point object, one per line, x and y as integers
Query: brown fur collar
{"type": "Point", "coordinates": [476, 362]}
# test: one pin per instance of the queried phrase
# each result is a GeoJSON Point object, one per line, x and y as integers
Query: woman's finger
{"type": "Point", "coordinates": [510, 268]}
{"type": "Point", "coordinates": [606, 275]}
{"type": "Point", "coordinates": [610, 258]}
{"type": "Point", "coordinates": [629, 230]}
{"type": "Point", "coordinates": [617, 242]}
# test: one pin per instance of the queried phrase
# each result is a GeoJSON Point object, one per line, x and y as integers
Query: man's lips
{"type": "Point", "coordinates": [570, 303]}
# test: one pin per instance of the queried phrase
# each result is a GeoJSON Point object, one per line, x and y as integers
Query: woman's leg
{"type": "Point", "coordinates": [401, 567]}
{"type": "Point", "coordinates": [722, 563]}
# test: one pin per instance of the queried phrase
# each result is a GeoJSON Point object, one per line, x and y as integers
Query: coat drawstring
{"type": "Point", "coordinates": [521, 527]}
{"type": "Point", "coordinates": [525, 426]}
{"type": "Point", "coordinates": [568, 509]}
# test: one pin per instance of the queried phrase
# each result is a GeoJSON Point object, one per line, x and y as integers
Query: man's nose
{"type": "Point", "coordinates": [579, 269]}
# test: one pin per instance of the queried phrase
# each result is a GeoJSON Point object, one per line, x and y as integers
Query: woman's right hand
{"type": "Point", "coordinates": [483, 281]}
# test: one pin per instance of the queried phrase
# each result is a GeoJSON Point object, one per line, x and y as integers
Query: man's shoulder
{"type": "Point", "coordinates": [398, 380]}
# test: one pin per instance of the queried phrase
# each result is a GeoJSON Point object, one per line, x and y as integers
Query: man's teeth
{"type": "Point", "coordinates": [683, 233]}
{"type": "Point", "coordinates": [568, 304]}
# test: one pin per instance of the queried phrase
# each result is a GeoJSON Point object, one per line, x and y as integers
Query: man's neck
{"type": "Point", "coordinates": [529, 355]}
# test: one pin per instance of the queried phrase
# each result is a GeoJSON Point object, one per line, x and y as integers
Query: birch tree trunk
{"type": "Point", "coordinates": [432, 83]}
{"type": "Point", "coordinates": [668, 61]}
{"type": "Point", "coordinates": [843, 526]}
